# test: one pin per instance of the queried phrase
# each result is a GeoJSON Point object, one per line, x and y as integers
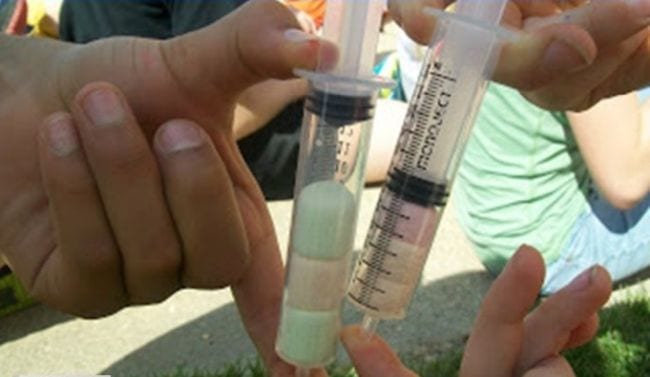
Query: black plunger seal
{"type": "Point", "coordinates": [417, 190]}
{"type": "Point", "coordinates": [339, 110]}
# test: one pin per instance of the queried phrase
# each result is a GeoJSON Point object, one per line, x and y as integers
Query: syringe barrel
{"type": "Point", "coordinates": [330, 178]}
{"type": "Point", "coordinates": [329, 181]}
{"type": "Point", "coordinates": [441, 113]}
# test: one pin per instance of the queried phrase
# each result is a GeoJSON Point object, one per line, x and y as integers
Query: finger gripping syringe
{"type": "Point", "coordinates": [441, 113]}
{"type": "Point", "coordinates": [329, 180]}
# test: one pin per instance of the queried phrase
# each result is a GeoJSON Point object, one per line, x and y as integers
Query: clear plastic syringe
{"type": "Point", "coordinates": [329, 180]}
{"type": "Point", "coordinates": [441, 113]}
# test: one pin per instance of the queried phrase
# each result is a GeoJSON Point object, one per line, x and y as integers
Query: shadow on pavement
{"type": "Point", "coordinates": [29, 320]}
{"type": "Point", "coordinates": [440, 317]}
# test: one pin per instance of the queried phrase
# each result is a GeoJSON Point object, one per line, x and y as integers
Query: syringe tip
{"type": "Point", "coordinates": [369, 324]}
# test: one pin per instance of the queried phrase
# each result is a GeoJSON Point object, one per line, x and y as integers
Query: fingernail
{"type": "Point", "coordinates": [582, 281]}
{"type": "Point", "coordinates": [176, 136]}
{"type": "Point", "coordinates": [104, 108]}
{"type": "Point", "coordinates": [60, 135]}
{"type": "Point", "coordinates": [564, 58]}
{"type": "Point", "coordinates": [297, 35]}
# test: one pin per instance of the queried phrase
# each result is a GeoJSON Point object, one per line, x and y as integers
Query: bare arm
{"type": "Point", "coordinates": [614, 140]}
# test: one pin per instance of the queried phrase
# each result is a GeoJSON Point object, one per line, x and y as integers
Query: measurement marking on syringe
{"type": "Point", "coordinates": [370, 286]}
{"type": "Point", "coordinates": [432, 93]}
{"type": "Point", "coordinates": [445, 77]}
{"type": "Point", "coordinates": [416, 134]}
{"type": "Point", "coordinates": [376, 267]}
{"type": "Point", "coordinates": [395, 212]}
{"type": "Point", "coordinates": [383, 250]}
{"type": "Point", "coordinates": [360, 302]}
{"type": "Point", "coordinates": [408, 152]}
{"type": "Point", "coordinates": [424, 112]}
{"type": "Point", "coordinates": [392, 232]}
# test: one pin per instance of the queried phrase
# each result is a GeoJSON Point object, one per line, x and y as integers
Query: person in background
{"type": "Point", "coordinates": [43, 18]}
{"type": "Point", "coordinates": [314, 9]}
{"type": "Point", "coordinates": [572, 184]}
{"type": "Point", "coordinates": [13, 16]}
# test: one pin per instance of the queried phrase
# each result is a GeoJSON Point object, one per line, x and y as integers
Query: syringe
{"type": "Point", "coordinates": [441, 113]}
{"type": "Point", "coordinates": [330, 177]}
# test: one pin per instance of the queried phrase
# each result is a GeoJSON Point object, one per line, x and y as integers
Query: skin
{"type": "Point", "coordinates": [123, 132]}
{"type": "Point", "coordinates": [71, 222]}
{"type": "Point", "coordinates": [570, 54]}
{"type": "Point", "coordinates": [519, 343]}
{"type": "Point", "coordinates": [615, 156]}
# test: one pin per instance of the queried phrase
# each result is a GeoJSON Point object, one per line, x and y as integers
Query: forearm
{"type": "Point", "coordinates": [614, 141]}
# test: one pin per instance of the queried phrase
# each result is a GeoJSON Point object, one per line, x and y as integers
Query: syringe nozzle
{"type": "Point", "coordinates": [302, 372]}
{"type": "Point", "coordinates": [369, 325]}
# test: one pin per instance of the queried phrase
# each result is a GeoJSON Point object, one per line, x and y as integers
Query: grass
{"type": "Point", "coordinates": [622, 346]}
{"type": "Point", "coordinates": [621, 349]}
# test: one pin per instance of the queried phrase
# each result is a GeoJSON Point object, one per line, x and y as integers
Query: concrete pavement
{"type": "Point", "coordinates": [201, 330]}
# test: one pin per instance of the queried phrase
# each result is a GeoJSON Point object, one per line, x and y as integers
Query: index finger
{"type": "Point", "coordinates": [499, 325]}
{"type": "Point", "coordinates": [258, 293]}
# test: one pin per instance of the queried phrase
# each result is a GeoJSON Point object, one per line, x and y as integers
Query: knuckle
{"type": "Point", "coordinates": [164, 260]}
{"type": "Point", "coordinates": [224, 272]}
{"type": "Point", "coordinates": [103, 258]}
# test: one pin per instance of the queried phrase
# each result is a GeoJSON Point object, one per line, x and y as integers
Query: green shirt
{"type": "Point", "coordinates": [521, 181]}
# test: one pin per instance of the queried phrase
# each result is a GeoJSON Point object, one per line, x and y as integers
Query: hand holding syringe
{"type": "Point", "coordinates": [446, 99]}
{"type": "Point", "coordinates": [330, 177]}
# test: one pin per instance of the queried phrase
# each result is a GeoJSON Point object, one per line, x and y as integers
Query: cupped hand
{"type": "Point", "coordinates": [506, 339]}
{"type": "Point", "coordinates": [570, 55]}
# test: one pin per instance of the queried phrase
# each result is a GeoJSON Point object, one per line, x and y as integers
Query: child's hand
{"type": "Point", "coordinates": [506, 339]}
{"type": "Point", "coordinates": [571, 54]}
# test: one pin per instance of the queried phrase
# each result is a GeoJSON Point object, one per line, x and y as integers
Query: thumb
{"type": "Point", "coordinates": [371, 356]}
{"type": "Point", "coordinates": [261, 40]}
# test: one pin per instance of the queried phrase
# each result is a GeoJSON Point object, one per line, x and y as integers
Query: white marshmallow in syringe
{"type": "Point", "coordinates": [321, 242]}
